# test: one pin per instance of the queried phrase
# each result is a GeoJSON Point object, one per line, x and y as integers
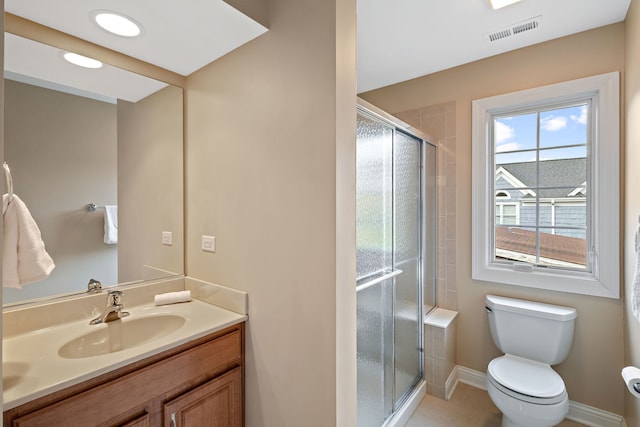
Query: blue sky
{"type": "Point", "coordinates": [558, 128]}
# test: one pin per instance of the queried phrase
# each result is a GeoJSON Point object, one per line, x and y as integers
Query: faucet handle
{"type": "Point", "coordinates": [114, 298]}
{"type": "Point", "coordinates": [94, 286]}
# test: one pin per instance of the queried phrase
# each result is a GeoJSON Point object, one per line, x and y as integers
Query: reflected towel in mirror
{"type": "Point", "coordinates": [110, 224]}
{"type": "Point", "coordinates": [24, 258]}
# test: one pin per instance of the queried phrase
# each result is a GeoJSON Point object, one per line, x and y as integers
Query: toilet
{"type": "Point", "coordinates": [521, 383]}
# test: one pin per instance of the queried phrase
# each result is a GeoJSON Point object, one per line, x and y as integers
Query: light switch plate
{"type": "Point", "coordinates": [208, 243]}
{"type": "Point", "coordinates": [167, 238]}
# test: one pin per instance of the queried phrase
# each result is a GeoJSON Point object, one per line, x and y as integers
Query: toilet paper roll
{"type": "Point", "coordinates": [172, 297]}
{"type": "Point", "coordinates": [631, 376]}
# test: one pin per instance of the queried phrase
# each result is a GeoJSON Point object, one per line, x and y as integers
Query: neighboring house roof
{"type": "Point", "coordinates": [571, 172]}
{"type": "Point", "coordinates": [552, 246]}
{"type": "Point", "coordinates": [514, 182]}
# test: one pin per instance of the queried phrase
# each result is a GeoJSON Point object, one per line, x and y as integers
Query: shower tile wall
{"type": "Point", "coordinates": [440, 351]}
{"type": "Point", "coordinates": [438, 122]}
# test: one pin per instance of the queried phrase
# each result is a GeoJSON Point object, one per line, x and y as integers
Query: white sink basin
{"type": "Point", "coordinates": [13, 373]}
{"type": "Point", "coordinates": [120, 335]}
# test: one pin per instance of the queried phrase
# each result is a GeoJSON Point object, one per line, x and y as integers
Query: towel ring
{"type": "Point", "coordinates": [8, 180]}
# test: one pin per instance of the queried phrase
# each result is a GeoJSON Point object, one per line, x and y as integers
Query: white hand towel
{"type": "Point", "coordinates": [110, 224]}
{"type": "Point", "coordinates": [635, 291]}
{"type": "Point", "coordinates": [172, 297]}
{"type": "Point", "coordinates": [24, 258]}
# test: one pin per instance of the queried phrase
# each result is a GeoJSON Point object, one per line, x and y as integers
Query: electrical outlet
{"type": "Point", "coordinates": [208, 243]}
{"type": "Point", "coordinates": [167, 238]}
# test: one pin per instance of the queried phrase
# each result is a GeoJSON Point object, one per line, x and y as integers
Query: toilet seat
{"type": "Point", "coordinates": [526, 380]}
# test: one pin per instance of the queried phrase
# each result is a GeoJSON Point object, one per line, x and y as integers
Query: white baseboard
{"type": "Point", "coordinates": [578, 412]}
{"type": "Point", "coordinates": [593, 417]}
{"type": "Point", "coordinates": [452, 382]}
{"type": "Point", "coordinates": [472, 377]}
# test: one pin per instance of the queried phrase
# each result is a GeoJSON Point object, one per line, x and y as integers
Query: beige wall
{"type": "Point", "coordinates": [150, 185]}
{"type": "Point", "coordinates": [592, 375]}
{"type": "Point", "coordinates": [631, 195]}
{"type": "Point", "coordinates": [270, 135]}
{"type": "Point", "coordinates": [62, 152]}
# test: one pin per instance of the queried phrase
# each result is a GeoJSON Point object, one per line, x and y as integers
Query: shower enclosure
{"type": "Point", "coordinates": [396, 247]}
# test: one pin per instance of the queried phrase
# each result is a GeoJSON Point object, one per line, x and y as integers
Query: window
{"type": "Point", "coordinates": [546, 187]}
{"type": "Point", "coordinates": [507, 213]}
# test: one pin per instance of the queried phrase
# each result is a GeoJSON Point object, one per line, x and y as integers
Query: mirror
{"type": "Point", "coordinates": [107, 137]}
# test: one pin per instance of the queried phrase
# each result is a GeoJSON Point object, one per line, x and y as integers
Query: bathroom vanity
{"type": "Point", "coordinates": [199, 383]}
{"type": "Point", "coordinates": [183, 372]}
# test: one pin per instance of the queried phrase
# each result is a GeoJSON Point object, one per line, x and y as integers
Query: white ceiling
{"type": "Point", "coordinates": [397, 39]}
{"type": "Point", "coordinates": [402, 39]}
{"type": "Point", "coordinates": [42, 65]}
{"type": "Point", "coordinates": [181, 36]}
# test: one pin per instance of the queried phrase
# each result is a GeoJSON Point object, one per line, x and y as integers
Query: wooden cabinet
{"type": "Point", "coordinates": [213, 404]}
{"type": "Point", "coordinates": [196, 384]}
{"type": "Point", "coordinates": [142, 421]}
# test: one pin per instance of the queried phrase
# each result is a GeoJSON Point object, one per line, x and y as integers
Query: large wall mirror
{"type": "Point", "coordinates": [75, 137]}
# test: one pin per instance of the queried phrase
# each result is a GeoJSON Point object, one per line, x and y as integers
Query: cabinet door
{"type": "Point", "coordinates": [217, 403]}
{"type": "Point", "coordinates": [142, 421]}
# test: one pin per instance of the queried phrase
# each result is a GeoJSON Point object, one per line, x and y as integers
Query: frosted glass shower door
{"type": "Point", "coordinates": [407, 256]}
{"type": "Point", "coordinates": [374, 236]}
{"type": "Point", "coordinates": [389, 241]}
{"type": "Point", "coordinates": [374, 203]}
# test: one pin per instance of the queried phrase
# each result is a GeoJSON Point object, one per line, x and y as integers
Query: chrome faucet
{"type": "Point", "coordinates": [94, 286]}
{"type": "Point", "coordinates": [113, 310]}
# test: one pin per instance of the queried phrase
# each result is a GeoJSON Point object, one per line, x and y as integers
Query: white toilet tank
{"type": "Point", "coordinates": [533, 330]}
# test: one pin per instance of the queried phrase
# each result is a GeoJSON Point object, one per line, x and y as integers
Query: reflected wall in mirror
{"type": "Point", "coordinates": [110, 137]}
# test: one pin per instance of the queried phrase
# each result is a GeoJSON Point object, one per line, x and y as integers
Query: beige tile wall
{"type": "Point", "coordinates": [439, 350]}
{"type": "Point", "coordinates": [438, 122]}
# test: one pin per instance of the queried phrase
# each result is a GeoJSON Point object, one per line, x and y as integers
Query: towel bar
{"type": "Point", "coordinates": [92, 207]}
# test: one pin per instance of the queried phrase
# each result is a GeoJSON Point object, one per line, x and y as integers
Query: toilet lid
{"type": "Point", "coordinates": [526, 377]}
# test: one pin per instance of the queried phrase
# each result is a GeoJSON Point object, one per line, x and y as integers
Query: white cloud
{"type": "Point", "coordinates": [552, 123]}
{"type": "Point", "coordinates": [503, 132]}
{"type": "Point", "coordinates": [507, 146]}
{"type": "Point", "coordinates": [582, 118]}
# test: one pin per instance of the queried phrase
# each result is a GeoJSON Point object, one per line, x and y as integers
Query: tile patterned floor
{"type": "Point", "coordinates": [468, 407]}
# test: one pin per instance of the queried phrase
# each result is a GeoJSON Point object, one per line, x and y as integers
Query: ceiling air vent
{"type": "Point", "coordinates": [514, 29]}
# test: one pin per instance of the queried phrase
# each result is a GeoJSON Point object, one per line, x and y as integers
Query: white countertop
{"type": "Point", "coordinates": [32, 367]}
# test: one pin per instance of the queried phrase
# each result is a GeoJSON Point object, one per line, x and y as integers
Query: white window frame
{"type": "Point", "coordinates": [604, 279]}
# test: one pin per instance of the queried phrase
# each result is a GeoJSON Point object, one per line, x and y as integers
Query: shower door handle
{"type": "Point", "coordinates": [377, 280]}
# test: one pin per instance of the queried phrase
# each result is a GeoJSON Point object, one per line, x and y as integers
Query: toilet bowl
{"type": "Point", "coordinates": [521, 383]}
{"type": "Point", "coordinates": [528, 393]}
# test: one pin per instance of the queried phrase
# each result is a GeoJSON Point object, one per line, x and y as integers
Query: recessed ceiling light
{"type": "Point", "coordinates": [81, 61]}
{"type": "Point", "coordinates": [497, 4]}
{"type": "Point", "coordinates": [117, 23]}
